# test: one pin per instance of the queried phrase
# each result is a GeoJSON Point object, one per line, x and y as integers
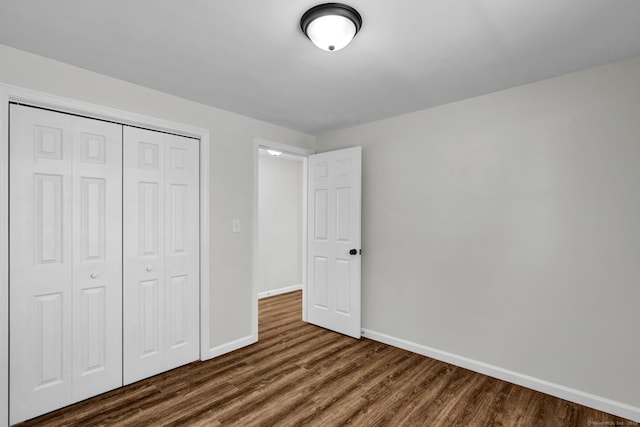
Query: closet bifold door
{"type": "Point", "coordinates": [65, 282]}
{"type": "Point", "coordinates": [161, 252]}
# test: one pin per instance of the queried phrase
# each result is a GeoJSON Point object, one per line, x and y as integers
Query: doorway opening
{"type": "Point", "coordinates": [280, 222]}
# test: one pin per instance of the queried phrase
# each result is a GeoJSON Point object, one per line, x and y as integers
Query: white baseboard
{"type": "Point", "coordinates": [231, 346]}
{"type": "Point", "coordinates": [275, 292]}
{"type": "Point", "coordinates": [566, 393]}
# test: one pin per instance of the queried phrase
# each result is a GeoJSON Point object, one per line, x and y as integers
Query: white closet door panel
{"type": "Point", "coordinates": [144, 243]}
{"type": "Point", "coordinates": [182, 250]}
{"type": "Point", "coordinates": [97, 266]}
{"type": "Point", "coordinates": [40, 262]}
{"type": "Point", "coordinates": [66, 260]}
{"type": "Point", "coordinates": [161, 252]}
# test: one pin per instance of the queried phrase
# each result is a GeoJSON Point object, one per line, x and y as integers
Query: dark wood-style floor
{"type": "Point", "coordinates": [299, 374]}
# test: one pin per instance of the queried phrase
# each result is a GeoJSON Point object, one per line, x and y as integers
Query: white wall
{"type": "Point", "coordinates": [231, 180]}
{"type": "Point", "coordinates": [506, 228]}
{"type": "Point", "coordinates": [279, 223]}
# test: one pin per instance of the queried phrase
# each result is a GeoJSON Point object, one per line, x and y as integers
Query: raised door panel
{"type": "Point", "coordinates": [97, 263]}
{"type": "Point", "coordinates": [48, 214]}
{"type": "Point", "coordinates": [321, 215]}
{"type": "Point", "coordinates": [149, 324]}
{"type": "Point", "coordinates": [93, 219]}
{"type": "Point", "coordinates": [40, 262]}
{"type": "Point", "coordinates": [321, 283]}
{"type": "Point", "coordinates": [144, 252]}
{"type": "Point", "coordinates": [93, 331]}
{"type": "Point", "coordinates": [178, 312]}
{"type": "Point", "coordinates": [178, 215]}
{"type": "Point", "coordinates": [149, 212]}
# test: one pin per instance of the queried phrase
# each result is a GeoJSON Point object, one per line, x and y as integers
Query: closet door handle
{"type": "Point", "coordinates": [149, 268]}
{"type": "Point", "coordinates": [93, 275]}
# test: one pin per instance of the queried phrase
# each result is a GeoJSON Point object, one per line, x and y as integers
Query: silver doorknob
{"type": "Point", "coordinates": [149, 268]}
{"type": "Point", "coordinates": [93, 275]}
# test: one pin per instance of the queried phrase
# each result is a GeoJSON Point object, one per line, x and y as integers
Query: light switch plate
{"type": "Point", "coordinates": [236, 226]}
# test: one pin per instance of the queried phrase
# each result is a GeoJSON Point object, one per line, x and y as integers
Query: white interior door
{"type": "Point", "coordinates": [333, 256]}
{"type": "Point", "coordinates": [41, 271]}
{"type": "Point", "coordinates": [161, 252]}
{"type": "Point", "coordinates": [182, 248]}
{"type": "Point", "coordinates": [97, 257]}
{"type": "Point", "coordinates": [143, 287]}
{"type": "Point", "coordinates": [65, 280]}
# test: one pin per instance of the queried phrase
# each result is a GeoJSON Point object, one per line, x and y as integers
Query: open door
{"type": "Point", "coordinates": [333, 255]}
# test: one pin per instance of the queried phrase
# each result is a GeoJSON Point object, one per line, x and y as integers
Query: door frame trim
{"type": "Point", "coordinates": [262, 143]}
{"type": "Point", "coordinates": [16, 94]}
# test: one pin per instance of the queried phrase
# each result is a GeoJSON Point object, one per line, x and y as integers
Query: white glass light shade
{"type": "Point", "coordinates": [331, 32]}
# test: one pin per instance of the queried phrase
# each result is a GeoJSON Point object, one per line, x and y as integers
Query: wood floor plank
{"type": "Point", "coordinates": [336, 389]}
{"type": "Point", "coordinates": [301, 375]}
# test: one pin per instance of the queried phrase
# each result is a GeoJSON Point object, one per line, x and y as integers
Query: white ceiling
{"type": "Point", "coordinates": [250, 57]}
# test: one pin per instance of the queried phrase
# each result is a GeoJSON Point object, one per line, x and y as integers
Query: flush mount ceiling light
{"type": "Point", "coordinates": [331, 26]}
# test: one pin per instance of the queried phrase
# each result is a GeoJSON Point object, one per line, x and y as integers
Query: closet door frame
{"type": "Point", "coordinates": [15, 94]}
